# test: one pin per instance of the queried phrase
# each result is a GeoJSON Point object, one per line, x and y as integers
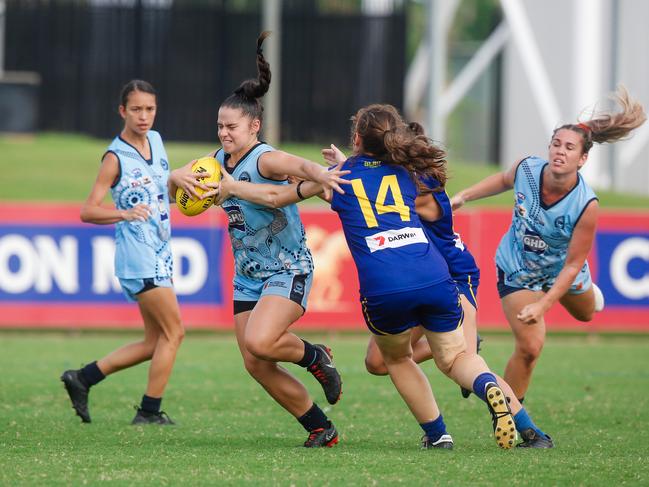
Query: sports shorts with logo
{"type": "Point", "coordinates": [437, 308]}
{"type": "Point", "coordinates": [295, 287]}
{"type": "Point", "coordinates": [580, 285]}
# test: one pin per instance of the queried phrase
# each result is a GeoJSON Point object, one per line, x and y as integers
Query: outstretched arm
{"type": "Point", "coordinates": [489, 186]}
{"type": "Point", "coordinates": [269, 195]}
{"type": "Point", "coordinates": [278, 164]}
{"type": "Point", "coordinates": [580, 244]}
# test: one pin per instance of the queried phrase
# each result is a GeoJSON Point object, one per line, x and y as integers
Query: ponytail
{"type": "Point", "coordinates": [246, 96]}
{"type": "Point", "coordinates": [610, 127]}
{"type": "Point", "coordinates": [387, 137]}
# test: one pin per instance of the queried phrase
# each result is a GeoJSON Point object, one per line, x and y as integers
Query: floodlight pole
{"type": "Point", "coordinates": [272, 21]}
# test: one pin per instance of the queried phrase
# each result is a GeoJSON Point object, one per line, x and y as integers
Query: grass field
{"type": "Point", "coordinates": [590, 394]}
{"type": "Point", "coordinates": [62, 167]}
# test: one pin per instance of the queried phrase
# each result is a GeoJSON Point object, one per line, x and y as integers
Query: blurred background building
{"type": "Point", "coordinates": [489, 78]}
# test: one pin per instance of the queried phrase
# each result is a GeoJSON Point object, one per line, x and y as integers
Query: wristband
{"type": "Point", "coordinates": [297, 190]}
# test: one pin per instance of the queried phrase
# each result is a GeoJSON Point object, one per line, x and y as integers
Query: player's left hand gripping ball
{"type": "Point", "coordinates": [183, 200]}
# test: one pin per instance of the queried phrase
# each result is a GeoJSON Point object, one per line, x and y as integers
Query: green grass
{"type": "Point", "coordinates": [63, 167]}
{"type": "Point", "coordinates": [589, 393]}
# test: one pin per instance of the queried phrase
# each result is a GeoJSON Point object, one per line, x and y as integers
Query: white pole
{"type": "Point", "coordinates": [436, 39]}
{"type": "Point", "coordinates": [588, 77]}
{"type": "Point", "coordinates": [532, 62]}
{"type": "Point", "coordinates": [272, 21]}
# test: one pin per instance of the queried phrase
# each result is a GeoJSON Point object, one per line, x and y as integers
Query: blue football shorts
{"type": "Point", "coordinates": [294, 287]}
{"type": "Point", "coordinates": [132, 287]}
{"type": "Point", "coordinates": [580, 285]}
{"type": "Point", "coordinates": [437, 308]}
{"type": "Point", "coordinates": [467, 285]}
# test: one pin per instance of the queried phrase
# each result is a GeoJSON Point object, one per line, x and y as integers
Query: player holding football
{"type": "Point", "coordinates": [273, 266]}
{"type": "Point", "coordinates": [542, 258]}
{"type": "Point", "coordinates": [135, 169]}
{"type": "Point", "coordinates": [384, 233]}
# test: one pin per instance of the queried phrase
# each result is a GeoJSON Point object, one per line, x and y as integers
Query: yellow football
{"type": "Point", "coordinates": [184, 202]}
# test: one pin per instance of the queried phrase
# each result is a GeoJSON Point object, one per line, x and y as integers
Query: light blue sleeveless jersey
{"type": "Point", "coordinates": [265, 241]}
{"type": "Point", "coordinates": [142, 249]}
{"type": "Point", "coordinates": [533, 251]}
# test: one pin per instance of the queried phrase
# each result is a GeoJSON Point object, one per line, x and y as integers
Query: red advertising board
{"type": "Point", "coordinates": [57, 272]}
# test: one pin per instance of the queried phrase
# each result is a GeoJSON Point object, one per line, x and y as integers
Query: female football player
{"type": "Point", "coordinates": [542, 257]}
{"type": "Point", "coordinates": [404, 279]}
{"type": "Point", "coordinates": [273, 266]}
{"type": "Point", "coordinates": [437, 220]}
{"type": "Point", "coordinates": [135, 170]}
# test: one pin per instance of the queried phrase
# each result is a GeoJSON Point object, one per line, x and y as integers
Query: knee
{"type": "Point", "coordinates": [174, 334]}
{"type": "Point", "coordinates": [530, 350]}
{"type": "Point", "coordinates": [445, 361]}
{"type": "Point", "coordinates": [396, 359]}
{"type": "Point", "coordinates": [256, 367]}
{"type": "Point", "coordinates": [585, 316]}
{"type": "Point", "coordinates": [375, 365]}
{"type": "Point", "coordinates": [259, 347]}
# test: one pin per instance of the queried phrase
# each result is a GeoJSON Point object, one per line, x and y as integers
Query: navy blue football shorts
{"type": "Point", "coordinates": [437, 308]}
{"type": "Point", "coordinates": [467, 285]}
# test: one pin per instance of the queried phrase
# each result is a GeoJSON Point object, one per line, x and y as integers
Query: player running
{"type": "Point", "coordinates": [273, 266]}
{"type": "Point", "coordinates": [404, 279]}
{"type": "Point", "coordinates": [542, 257]}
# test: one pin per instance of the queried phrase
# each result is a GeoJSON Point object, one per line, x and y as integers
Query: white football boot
{"type": "Point", "coordinates": [599, 298]}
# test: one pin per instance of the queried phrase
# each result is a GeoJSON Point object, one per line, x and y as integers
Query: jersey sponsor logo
{"type": "Point", "coordinates": [520, 197]}
{"type": "Point", "coordinates": [298, 288]}
{"type": "Point", "coordinates": [235, 217]}
{"type": "Point", "coordinates": [392, 239]}
{"type": "Point", "coordinates": [458, 241]}
{"type": "Point", "coordinates": [281, 284]}
{"type": "Point", "coordinates": [162, 207]}
{"type": "Point", "coordinates": [532, 242]}
{"type": "Point", "coordinates": [372, 164]}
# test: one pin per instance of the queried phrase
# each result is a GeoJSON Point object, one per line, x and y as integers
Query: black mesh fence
{"type": "Point", "coordinates": [196, 54]}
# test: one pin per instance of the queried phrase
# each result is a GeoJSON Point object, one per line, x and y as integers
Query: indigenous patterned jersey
{"type": "Point", "coordinates": [533, 251]}
{"type": "Point", "coordinates": [142, 248]}
{"type": "Point", "coordinates": [265, 241]}
{"type": "Point", "coordinates": [383, 232]}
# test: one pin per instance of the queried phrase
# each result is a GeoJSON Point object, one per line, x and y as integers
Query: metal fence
{"type": "Point", "coordinates": [196, 54]}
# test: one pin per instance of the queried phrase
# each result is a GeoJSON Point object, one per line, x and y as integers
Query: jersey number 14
{"type": "Point", "coordinates": [388, 183]}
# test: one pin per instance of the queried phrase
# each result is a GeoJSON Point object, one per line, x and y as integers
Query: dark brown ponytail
{"type": "Point", "coordinates": [246, 96]}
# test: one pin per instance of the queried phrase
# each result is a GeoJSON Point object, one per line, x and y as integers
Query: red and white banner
{"type": "Point", "coordinates": [58, 272]}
